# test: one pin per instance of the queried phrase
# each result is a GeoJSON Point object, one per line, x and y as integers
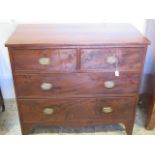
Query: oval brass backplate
{"type": "Point", "coordinates": [111, 60]}
{"type": "Point", "coordinates": [44, 61]}
{"type": "Point", "coordinates": [46, 86]}
{"type": "Point", "coordinates": [109, 84]}
{"type": "Point", "coordinates": [106, 109]}
{"type": "Point", "coordinates": [48, 111]}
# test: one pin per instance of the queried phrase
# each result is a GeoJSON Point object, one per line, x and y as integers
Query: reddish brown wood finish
{"type": "Point", "coordinates": [78, 70]}
{"type": "Point", "coordinates": [34, 36]}
{"type": "Point", "coordinates": [76, 84]}
{"type": "Point", "coordinates": [60, 60]}
{"type": "Point", "coordinates": [77, 110]}
{"type": "Point", "coordinates": [129, 59]}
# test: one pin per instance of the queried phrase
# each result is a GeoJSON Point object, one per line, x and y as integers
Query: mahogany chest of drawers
{"type": "Point", "coordinates": [74, 75]}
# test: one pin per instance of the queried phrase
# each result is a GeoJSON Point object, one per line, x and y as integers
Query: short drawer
{"type": "Point", "coordinates": [75, 84]}
{"type": "Point", "coordinates": [66, 110]}
{"type": "Point", "coordinates": [45, 60]}
{"type": "Point", "coordinates": [125, 59]}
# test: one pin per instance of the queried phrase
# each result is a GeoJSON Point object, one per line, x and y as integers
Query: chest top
{"type": "Point", "coordinates": [43, 35]}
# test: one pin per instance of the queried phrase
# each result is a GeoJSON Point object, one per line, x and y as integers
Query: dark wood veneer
{"type": "Point", "coordinates": [60, 60]}
{"type": "Point", "coordinates": [77, 109]}
{"type": "Point", "coordinates": [47, 35]}
{"type": "Point", "coordinates": [129, 59]}
{"type": "Point", "coordinates": [76, 84]}
{"type": "Point", "coordinates": [77, 70]}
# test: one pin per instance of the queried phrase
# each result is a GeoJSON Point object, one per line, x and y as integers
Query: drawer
{"type": "Point", "coordinates": [46, 60]}
{"type": "Point", "coordinates": [107, 59]}
{"type": "Point", "coordinates": [66, 110]}
{"type": "Point", "coordinates": [75, 84]}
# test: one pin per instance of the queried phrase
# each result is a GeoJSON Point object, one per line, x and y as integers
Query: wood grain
{"type": "Point", "coordinates": [76, 84]}
{"type": "Point", "coordinates": [76, 110]}
{"type": "Point", "coordinates": [77, 71]}
{"type": "Point", "coordinates": [129, 59]}
{"type": "Point", "coordinates": [60, 60]}
{"type": "Point", "coordinates": [43, 35]}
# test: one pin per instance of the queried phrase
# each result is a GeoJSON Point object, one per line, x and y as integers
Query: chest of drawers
{"type": "Point", "coordinates": [66, 74]}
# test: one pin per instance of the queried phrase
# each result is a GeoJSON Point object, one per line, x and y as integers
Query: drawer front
{"type": "Point", "coordinates": [75, 84]}
{"type": "Point", "coordinates": [107, 59]}
{"type": "Point", "coordinates": [59, 111]}
{"type": "Point", "coordinates": [116, 107]}
{"type": "Point", "coordinates": [46, 60]}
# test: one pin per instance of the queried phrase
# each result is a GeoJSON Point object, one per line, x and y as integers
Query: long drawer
{"type": "Point", "coordinates": [76, 110]}
{"type": "Point", "coordinates": [48, 85]}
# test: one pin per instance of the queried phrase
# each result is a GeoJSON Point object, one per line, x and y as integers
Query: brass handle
{"type": "Point", "coordinates": [46, 86]}
{"type": "Point", "coordinates": [44, 61]}
{"type": "Point", "coordinates": [48, 111]}
{"type": "Point", "coordinates": [106, 109]}
{"type": "Point", "coordinates": [109, 84]}
{"type": "Point", "coordinates": [112, 60]}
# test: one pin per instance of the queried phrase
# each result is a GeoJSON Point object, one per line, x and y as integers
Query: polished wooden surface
{"type": "Point", "coordinates": [76, 110]}
{"type": "Point", "coordinates": [76, 34]}
{"type": "Point", "coordinates": [129, 59]}
{"type": "Point", "coordinates": [60, 60]}
{"type": "Point", "coordinates": [74, 84]}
